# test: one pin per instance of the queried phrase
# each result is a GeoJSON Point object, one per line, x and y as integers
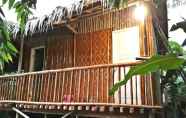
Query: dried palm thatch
{"type": "Point", "coordinates": [44, 23]}
{"type": "Point", "coordinates": [58, 15]}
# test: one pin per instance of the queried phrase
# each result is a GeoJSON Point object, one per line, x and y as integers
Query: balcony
{"type": "Point", "coordinates": [78, 87]}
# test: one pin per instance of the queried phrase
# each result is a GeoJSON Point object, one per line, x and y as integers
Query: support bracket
{"type": "Point", "coordinates": [67, 114]}
{"type": "Point", "coordinates": [20, 112]}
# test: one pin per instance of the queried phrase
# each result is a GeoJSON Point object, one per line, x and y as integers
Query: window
{"type": "Point", "coordinates": [125, 45]}
{"type": "Point", "coordinates": [37, 59]}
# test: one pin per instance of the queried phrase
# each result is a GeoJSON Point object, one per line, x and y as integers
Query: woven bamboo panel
{"type": "Point", "coordinates": [83, 49]}
{"type": "Point", "coordinates": [93, 48]}
{"type": "Point", "coordinates": [101, 44]}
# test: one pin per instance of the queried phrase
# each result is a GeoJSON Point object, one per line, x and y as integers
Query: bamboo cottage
{"type": "Point", "coordinates": [70, 68]}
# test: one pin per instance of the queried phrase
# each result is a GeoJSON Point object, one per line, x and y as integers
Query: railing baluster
{"type": "Point", "coordinates": [119, 78]}
{"type": "Point", "coordinates": [43, 96]}
{"type": "Point", "coordinates": [39, 77]}
{"type": "Point", "coordinates": [79, 85]}
{"type": "Point", "coordinates": [18, 90]}
{"type": "Point", "coordinates": [136, 79]}
{"type": "Point", "coordinates": [97, 84]}
{"type": "Point", "coordinates": [145, 89]}
{"type": "Point", "coordinates": [20, 87]}
{"type": "Point", "coordinates": [92, 85]}
{"type": "Point", "coordinates": [58, 86]}
{"type": "Point", "coordinates": [23, 87]}
{"type": "Point", "coordinates": [31, 95]}
{"type": "Point", "coordinates": [1, 87]}
{"type": "Point", "coordinates": [151, 89]}
{"type": "Point", "coordinates": [47, 87]}
{"type": "Point", "coordinates": [34, 85]}
{"type": "Point", "coordinates": [55, 86]}
{"type": "Point", "coordinates": [51, 79]}
{"type": "Point", "coordinates": [42, 88]}
{"type": "Point", "coordinates": [102, 85]}
{"type": "Point", "coordinates": [71, 80]}
{"type": "Point", "coordinates": [88, 85]}
{"type": "Point", "coordinates": [66, 87]}
{"type": "Point", "coordinates": [107, 84]}
{"type": "Point", "coordinates": [75, 77]}
{"type": "Point", "coordinates": [9, 88]}
{"type": "Point", "coordinates": [83, 86]}
{"type": "Point", "coordinates": [131, 90]}
{"type": "Point", "coordinates": [4, 89]}
{"type": "Point", "coordinates": [63, 87]}
{"type": "Point", "coordinates": [29, 87]}
{"type": "Point", "coordinates": [124, 71]}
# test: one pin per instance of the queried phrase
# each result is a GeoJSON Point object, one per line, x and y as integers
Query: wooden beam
{"type": "Point", "coordinates": [71, 28]}
{"type": "Point", "coordinates": [111, 105]}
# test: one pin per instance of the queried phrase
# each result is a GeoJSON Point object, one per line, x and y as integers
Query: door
{"type": "Point", "coordinates": [125, 48]}
{"type": "Point", "coordinates": [36, 64]}
{"type": "Point", "coordinates": [37, 59]}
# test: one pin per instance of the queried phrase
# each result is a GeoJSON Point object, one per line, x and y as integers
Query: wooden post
{"type": "Point", "coordinates": [20, 55]}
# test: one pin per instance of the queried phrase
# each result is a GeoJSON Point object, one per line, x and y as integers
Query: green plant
{"type": "Point", "coordinates": [22, 8]}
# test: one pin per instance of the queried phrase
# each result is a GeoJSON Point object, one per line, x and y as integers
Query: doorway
{"type": "Point", "coordinates": [125, 48]}
{"type": "Point", "coordinates": [37, 59]}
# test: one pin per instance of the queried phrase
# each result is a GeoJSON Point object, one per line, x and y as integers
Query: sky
{"type": "Point", "coordinates": [44, 7]}
{"type": "Point", "coordinates": [176, 13]}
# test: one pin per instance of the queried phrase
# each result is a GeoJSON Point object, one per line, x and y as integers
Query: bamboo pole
{"type": "Point", "coordinates": [20, 56]}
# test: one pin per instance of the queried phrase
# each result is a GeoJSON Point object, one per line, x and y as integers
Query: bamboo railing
{"type": "Point", "coordinates": [79, 85]}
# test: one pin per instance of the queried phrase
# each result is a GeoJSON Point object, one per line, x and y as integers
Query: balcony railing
{"type": "Point", "coordinates": [80, 85]}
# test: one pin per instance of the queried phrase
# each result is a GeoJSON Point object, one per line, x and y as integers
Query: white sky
{"type": "Point", "coordinates": [175, 14]}
{"type": "Point", "coordinates": [43, 7]}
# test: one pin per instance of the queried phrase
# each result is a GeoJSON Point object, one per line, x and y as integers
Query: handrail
{"type": "Point", "coordinates": [80, 85]}
{"type": "Point", "coordinates": [74, 68]}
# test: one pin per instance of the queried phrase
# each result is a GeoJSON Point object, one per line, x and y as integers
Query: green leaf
{"type": "Point", "coordinates": [17, 4]}
{"type": "Point", "coordinates": [167, 62]}
{"type": "Point", "coordinates": [1, 12]}
{"type": "Point", "coordinates": [4, 56]}
{"type": "Point", "coordinates": [9, 57]}
{"type": "Point", "coordinates": [176, 48]}
{"type": "Point", "coordinates": [4, 32]}
{"type": "Point", "coordinates": [11, 3]}
{"type": "Point", "coordinates": [12, 47]}
{"type": "Point", "coordinates": [4, 1]}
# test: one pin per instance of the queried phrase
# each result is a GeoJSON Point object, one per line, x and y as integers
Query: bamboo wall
{"type": "Point", "coordinates": [93, 42]}
{"type": "Point", "coordinates": [92, 45]}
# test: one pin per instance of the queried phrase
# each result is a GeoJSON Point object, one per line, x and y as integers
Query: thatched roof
{"type": "Point", "coordinates": [42, 24]}
{"type": "Point", "coordinates": [59, 15]}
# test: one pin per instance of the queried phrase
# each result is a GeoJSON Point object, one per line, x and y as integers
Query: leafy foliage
{"type": "Point", "coordinates": [176, 48]}
{"type": "Point", "coordinates": [167, 62]}
{"type": "Point", "coordinates": [22, 9]}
